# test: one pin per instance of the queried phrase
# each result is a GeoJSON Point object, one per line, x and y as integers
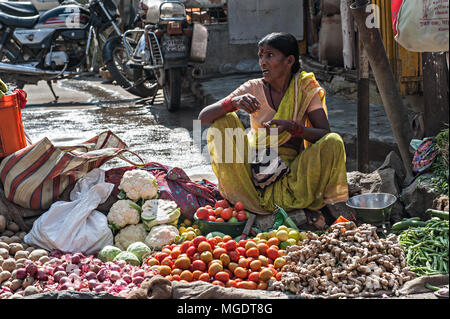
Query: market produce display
{"type": "Point", "coordinates": [220, 260]}
{"type": "Point", "coordinates": [347, 261]}
{"type": "Point", "coordinates": [26, 270]}
{"type": "Point", "coordinates": [426, 245]}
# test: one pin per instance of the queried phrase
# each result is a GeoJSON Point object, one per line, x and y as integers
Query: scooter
{"type": "Point", "coordinates": [161, 55]}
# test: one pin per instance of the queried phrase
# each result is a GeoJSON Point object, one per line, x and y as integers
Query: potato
{"type": "Point", "coordinates": [16, 284]}
{"type": "Point", "coordinates": [25, 246]}
{"type": "Point", "coordinates": [4, 245]}
{"type": "Point", "coordinates": [4, 253]}
{"type": "Point", "coordinates": [4, 275]}
{"type": "Point", "coordinates": [5, 295]}
{"type": "Point", "coordinates": [12, 226]}
{"type": "Point", "coordinates": [1, 261]}
{"type": "Point", "coordinates": [22, 235]}
{"type": "Point", "coordinates": [14, 248]}
{"type": "Point", "coordinates": [30, 249]}
{"type": "Point", "coordinates": [21, 254]}
{"type": "Point", "coordinates": [16, 239]}
{"type": "Point", "coordinates": [30, 290]}
{"type": "Point", "coordinates": [20, 261]}
{"type": "Point", "coordinates": [2, 223]}
{"type": "Point", "coordinates": [5, 239]}
{"type": "Point", "coordinates": [9, 264]}
{"type": "Point", "coordinates": [37, 253]}
{"type": "Point", "coordinates": [8, 233]}
{"type": "Point", "coordinates": [27, 282]}
{"type": "Point", "coordinates": [44, 259]}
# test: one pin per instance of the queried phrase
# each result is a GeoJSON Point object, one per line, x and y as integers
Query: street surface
{"type": "Point", "coordinates": [89, 106]}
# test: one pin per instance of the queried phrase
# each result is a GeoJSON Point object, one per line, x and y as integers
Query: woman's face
{"type": "Point", "coordinates": [274, 65]}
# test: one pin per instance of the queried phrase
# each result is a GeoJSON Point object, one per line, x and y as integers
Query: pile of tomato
{"type": "Point", "coordinates": [223, 212]}
{"type": "Point", "coordinates": [248, 264]}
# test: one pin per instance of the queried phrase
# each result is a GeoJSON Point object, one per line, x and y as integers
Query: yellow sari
{"type": "Point", "coordinates": [317, 175]}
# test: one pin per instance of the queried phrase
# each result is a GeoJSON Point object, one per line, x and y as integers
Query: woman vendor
{"type": "Point", "coordinates": [289, 105]}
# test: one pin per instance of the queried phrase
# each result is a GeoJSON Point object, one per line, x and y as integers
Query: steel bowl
{"type": "Point", "coordinates": [372, 208]}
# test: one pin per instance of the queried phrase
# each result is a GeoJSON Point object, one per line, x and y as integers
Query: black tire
{"type": "Point", "coordinates": [124, 76]}
{"type": "Point", "coordinates": [172, 90]}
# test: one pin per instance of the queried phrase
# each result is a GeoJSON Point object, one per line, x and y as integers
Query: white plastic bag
{"type": "Point", "coordinates": [76, 226]}
{"type": "Point", "coordinates": [422, 25]}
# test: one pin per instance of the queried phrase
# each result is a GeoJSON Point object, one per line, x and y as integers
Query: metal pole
{"type": "Point", "coordinates": [385, 80]}
{"type": "Point", "coordinates": [363, 122]}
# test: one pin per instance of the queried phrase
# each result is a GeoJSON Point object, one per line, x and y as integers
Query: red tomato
{"type": "Point", "coordinates": [227, 213]}
{"type": "Point", "coordinates": [241, 216]}
{"type": "Point", "coordinates": [218, 211]}
{"type": "Point", "coordinates": [239, 206]}
{"type": "Point", "coordinates": [202, 213]}
{"type": "Point", "coordinates": [211, 218]}
{"type": "Point", "coordinates": [211, 212]}
{"type": "Point", "coordinates": [223, 203]}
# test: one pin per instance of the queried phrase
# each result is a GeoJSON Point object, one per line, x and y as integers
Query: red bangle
{"type": "Point", "coordinates": [298, 130]}
{"type": "Point", "coordinates": [227, 105]}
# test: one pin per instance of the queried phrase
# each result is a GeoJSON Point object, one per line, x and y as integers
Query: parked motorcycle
{"type": "Point", "coordinates": [55, 44]}
{"type": "Point", "coordinates": [27, 8]}
{"type": "Point", "coordinates": [158, 55]}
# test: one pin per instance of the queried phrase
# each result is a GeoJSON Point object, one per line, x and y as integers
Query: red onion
{"type": "Point", "coordinates": [31, 269]}
{"type": "Point", "coordinates": [60, 268]}
{"type": "Point", "coordinates": [95, 268]}
{"type": "Point", "coordinates": [49, 269]}
{"type": "Point", "coordinates": [41, 274]}
{"type": "Point", "coordinates": [114, 268]}
{"type": "Point", "coordinates": [74, 277]}
{"type": "Point", "coordinates": [90, 275]}
{"type": "Point", "coordinates": [56, 253]}
{"type": "Point", "coordinates": [121, 282]}
{"type": "Point", "coordinates": [75, 259]}
{"type": "Point", "coordinates": [99, 288]}
{"type": "Point", "coordinates": [65, 280]}
{"type": "Point", "coordinates": [21, 273]}
{"type": "Point", "coordinates": [121, 263]}
{"type": "Point", "coordinates": [114, 275]}
{"type": "Point", "coordinates": [58, 275]}
{"type": "Point", "coordinates": [84, 290]}
{"type": "Point", "coordinates": [71, 267]}
{"type": "Point", "coordinates": [64, 286]}
{"type": "Point", "coordinates": [138, 280]}
{"type": "Point", "coordinates": [92, 284]}
{"type": "Point", "coordinates": [138, 273]}
{"type": "Point", "coordinates": [127, 278]}
{"type": "Point", "coordinates": [103, 274]}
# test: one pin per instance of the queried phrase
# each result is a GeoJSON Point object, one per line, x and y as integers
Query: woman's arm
{"type": "Point", "coordinates": [246, 102]}
{"type": "Point", "coordinates": [317, 117]}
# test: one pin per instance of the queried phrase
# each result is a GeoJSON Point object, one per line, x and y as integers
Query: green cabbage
{"type": "Point", "coordinates": [139, 249]}
{"type": "Point", "coordinates": [129, 257]}
{"type": "Point", "coordinates": [108, 253]}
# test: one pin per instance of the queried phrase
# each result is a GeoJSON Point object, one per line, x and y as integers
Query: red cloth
{"type": "Point", "coordinates": [22, 97]}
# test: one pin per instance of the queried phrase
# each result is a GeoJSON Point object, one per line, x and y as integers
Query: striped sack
{"type": "Point", "coordinates": [35, 176]}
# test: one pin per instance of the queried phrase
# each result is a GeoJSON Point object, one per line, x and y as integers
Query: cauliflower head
{"type": "Point", "coordinates": [129, 235]}
{"type": "Point", "coordinates": [159, 211]}
{"type": "Point", "coordinates": [161, 235]}
{"type": "Point", "coordinates": [138, 183]}
{"type": "Point", "coordinates": [122, 214]}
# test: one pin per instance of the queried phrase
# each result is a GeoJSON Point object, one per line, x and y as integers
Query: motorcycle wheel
{"type": "Point", "coordinates": [172, 90]}
{"type": "Point", "coordinates": [118, 69]}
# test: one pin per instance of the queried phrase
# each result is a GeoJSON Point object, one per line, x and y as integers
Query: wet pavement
{"type": "Point", "coordinates": [89, 106]}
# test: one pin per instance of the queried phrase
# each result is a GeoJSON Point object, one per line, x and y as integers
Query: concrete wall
{"type": "Point", "coordinates": [225, 58]}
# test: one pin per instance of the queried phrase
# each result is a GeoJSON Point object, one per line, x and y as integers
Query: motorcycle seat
{"type": "Point", "coordinates": [15, 21]}
{"type": "Point", "coordinates": [21, 9]}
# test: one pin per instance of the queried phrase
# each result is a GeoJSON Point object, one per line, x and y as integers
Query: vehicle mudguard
{"type": "Point", "coordinates": [107, 52]}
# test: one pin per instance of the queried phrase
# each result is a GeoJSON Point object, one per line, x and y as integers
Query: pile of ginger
{"type": "Point", "coordinates": [347, 261]}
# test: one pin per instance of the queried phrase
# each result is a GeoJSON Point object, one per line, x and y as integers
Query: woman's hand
{"type": "Point", "coordinates": [281, 126]}
{"type": "Point", "coordinates": [246, 102]}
